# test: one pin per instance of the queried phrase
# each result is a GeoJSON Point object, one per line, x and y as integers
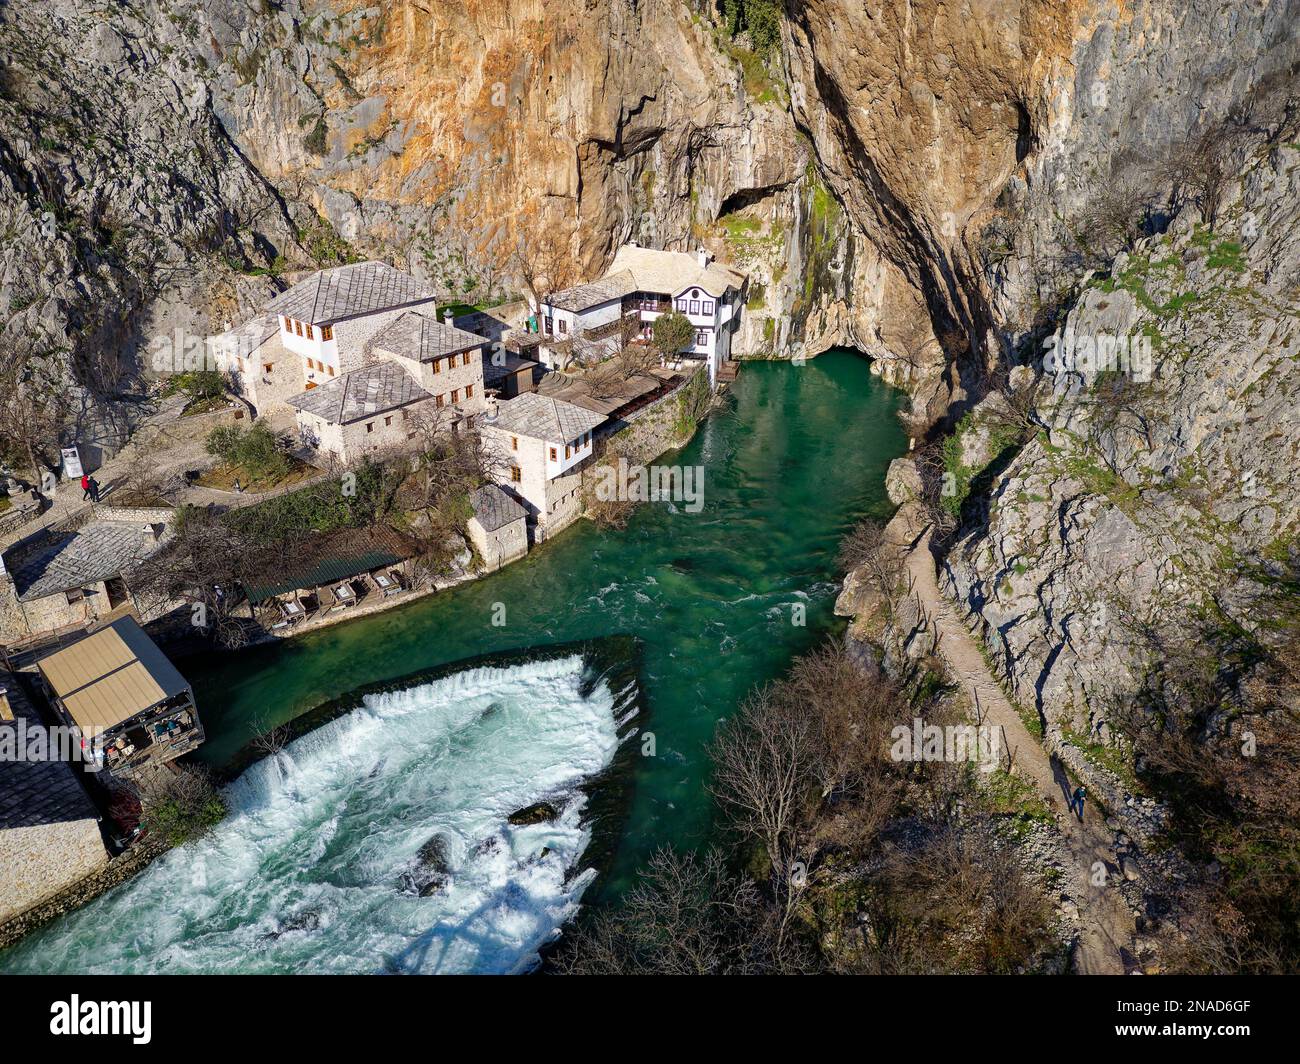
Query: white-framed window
{"type": "Point", "coordinates": [681, 305]}
{"type": "Point", "coordinates": [701, 337]}
{"type": "Point", "coordinates": [707, 307]}
{"type": "Point", "coordinates": [695, 306]}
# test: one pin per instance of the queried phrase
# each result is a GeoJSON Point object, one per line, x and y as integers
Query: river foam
{"type": "Point", "coordinates": [316, 869]}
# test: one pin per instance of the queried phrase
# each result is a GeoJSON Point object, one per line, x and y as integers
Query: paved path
{"type": "Point", "coordinates": [1106, 941]}
{"type": "Point", "coordinates": [171, 446]}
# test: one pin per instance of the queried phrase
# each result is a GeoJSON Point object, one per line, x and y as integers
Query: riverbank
{"type": "Point", "coordinates": [721, 599]}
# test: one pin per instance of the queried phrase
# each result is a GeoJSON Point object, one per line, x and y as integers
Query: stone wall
{"type": "Point", "coordinates": [73, 895]}
{"type": "Point", "coordinates": [145, 515]}
{"type": "Point", "coordinates": [501, 546]}
{"type": "Point", "coordinates": [43, 859]}
{"type": "Point", "coordinates": [654, 429]}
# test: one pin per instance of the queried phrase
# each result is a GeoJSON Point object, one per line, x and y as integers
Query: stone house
{"type": "Point", "coordinates": [499, 527]}
{"type": "Point", "coordinates": [644, 283]}
{"type": "Point", "coordinates": [57, 580]}
{"type": "Point", "coordinates": [316, 331]}
{"type": "Point", "coordinates": [49, 829]}
{"type": "Point", "coordinates": [446, 361]}
{"type": "Point", "coordinates": [371, 410]}
{"type": "Point", "coordinates": [539, 445]}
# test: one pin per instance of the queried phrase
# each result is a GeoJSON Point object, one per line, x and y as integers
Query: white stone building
{"type": "Point", "coordinates": [647, 283]}
{"type": "Point", "coordinates": [367, 411]}
{"type": "Point", "coordinates": [357, 353]}
{"type": "Point", "coordinates": [499, 527]}
{"type": "Point", "coordinates": [318, 330]}
{"type": "Point", "coordinates": [540, 445]}
{"type": "Point", "coordinates": [447, 362]}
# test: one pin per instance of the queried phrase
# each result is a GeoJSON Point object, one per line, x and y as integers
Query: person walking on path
{"type": "Point", "coordinates": [1079, 795]}
{"type": "Point", "coordinates": [85, 486]}
{"type": "Point", "coordinates": [93, 485]}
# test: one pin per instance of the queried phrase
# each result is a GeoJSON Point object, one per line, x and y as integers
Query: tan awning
{"type": "Point", "coordinates": [115, 698]}
{"type": "Point", "coordinates": [110, 676]}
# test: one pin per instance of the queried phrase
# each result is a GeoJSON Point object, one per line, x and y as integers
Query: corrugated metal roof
{"type": "Point", "coordinates": [332, 560]}
{"type": "Point", "coordinates": [112, 675]}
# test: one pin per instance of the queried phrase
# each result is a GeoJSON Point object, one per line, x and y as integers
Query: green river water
{"type": "Point", "coordinates": [310, 872]}
{"type": "Point", "coordinates": [798, 456]}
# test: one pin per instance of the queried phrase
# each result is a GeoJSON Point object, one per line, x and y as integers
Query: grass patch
{"type": "Point", "coordinates": [222, 477]}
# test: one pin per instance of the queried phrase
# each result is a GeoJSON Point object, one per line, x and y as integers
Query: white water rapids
{"type": "Point", "coordinates": [307, 872]}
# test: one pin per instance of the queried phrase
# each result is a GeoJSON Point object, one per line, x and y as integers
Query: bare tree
{"type": "Point", "coordinates": [687, 915]}
{"type": "Point", "coordinates": [199, 568]}
{"type": "Point", "coordinates": [868, 547]}
{"type": "Point", "coordinates": [32, 408]}
{"type": "Point", "coordinates": [543, 266]}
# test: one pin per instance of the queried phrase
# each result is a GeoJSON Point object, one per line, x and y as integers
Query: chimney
{"type": "Point", "coordinates": [491, 407]}
{"type": "Point", "coordinates": [447, 316]}
{"type": "Point", "coordinates": [150, 535]}
{"type": "Point", "coordinates": [633, 244]}
{"type": "Point", "coordinates": [703, 257]}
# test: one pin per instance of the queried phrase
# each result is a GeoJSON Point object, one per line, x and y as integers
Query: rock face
{"type": "Point", "coordinates": [937, 185]}
{"type": "Point", "coordinates": [161, 158]}
{"type": "Point", "coordinates": [1153, 490]}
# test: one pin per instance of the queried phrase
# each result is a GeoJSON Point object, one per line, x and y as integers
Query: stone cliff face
{"type": "Point", "coordinates": [934, 184]}
{"type": "Point", "coordinates": [161, 157]}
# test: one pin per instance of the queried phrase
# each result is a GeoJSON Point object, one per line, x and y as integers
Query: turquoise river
{"type": "Point", "coordinates": [718, 601]}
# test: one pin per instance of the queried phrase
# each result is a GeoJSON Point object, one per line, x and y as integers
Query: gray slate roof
{"type": "Point", "coordinates": [247, 338]}
{"type": "Point", "coordinates": [512, 363]}
{"type": "Point", "coordinates": [423, 337]}
{"type": "Point", "coordinates": [360, 394]}
{"type": "Point", "coordinates": [544, 418]}
{"type": "Point", "coordinates": [593, 293]}
{"type": "Point", "coordinates": [350, 291]}
{"type": "Point", "coordinates": [47, 564]}
{"type": "Point", "coordinates": [37, 792]}
{"type": "Point", "coordinates": [495, 507]}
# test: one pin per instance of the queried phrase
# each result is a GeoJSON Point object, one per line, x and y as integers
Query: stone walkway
{"type": "Point", "coordinates": [1106, 941]}
{"type": "Point", "coordinates": [172, 447]}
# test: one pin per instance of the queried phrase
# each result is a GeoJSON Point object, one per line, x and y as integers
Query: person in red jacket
{"type": "Point", "coordinates": [85, 486]}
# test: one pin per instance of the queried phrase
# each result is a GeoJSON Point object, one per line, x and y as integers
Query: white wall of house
{"type": "Point", "coordinates": [500, 546]}
{"type": "Point", "coordinates": [308, 341]}
{"type": "Point", "coordinates": [456, 379]}
{"type": "Point", "coordinates": [393, 430]}
{"type": "Point", "coordinates": [561, 457]}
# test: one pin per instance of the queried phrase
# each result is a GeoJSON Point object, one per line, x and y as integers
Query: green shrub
{"type": "Point", "coordinates": [672, 332]}
{"type": "Point", "coordinates": [762, 18]}
{"type": "Point", "coordinates": [254, 450]}
{"type": "Point", "coordinates": [181, 806]}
